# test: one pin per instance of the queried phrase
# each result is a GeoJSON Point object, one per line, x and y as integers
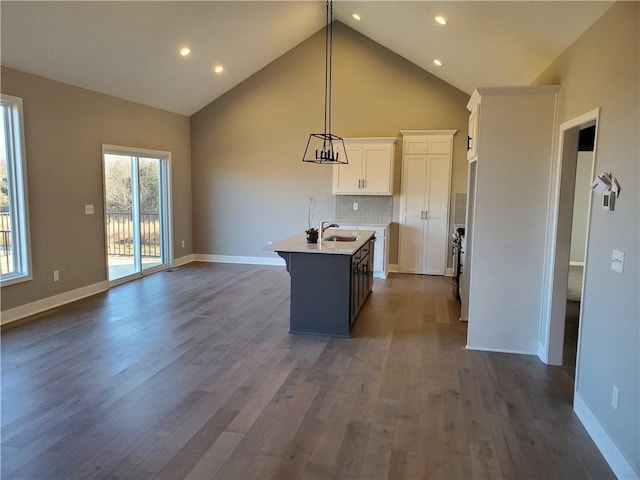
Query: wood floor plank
{"type": "Point", "coordinates": [215, 456]}
{"type": "Point", "coordinates": [193, 374]}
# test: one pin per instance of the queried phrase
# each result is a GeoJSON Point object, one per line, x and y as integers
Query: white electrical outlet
{"type": "Point", "coordinates": [88, 209]}
{"type": "Point", "coordinates": [355, 205]}
{"type": "Point", "coordinates": [182, 243]}
{"type": "Point", "coordinates": [615, 396]}
{"type": "Point", "coordinates": [56, 275]}
{"type": "Point", "coordinates": [617, 261]}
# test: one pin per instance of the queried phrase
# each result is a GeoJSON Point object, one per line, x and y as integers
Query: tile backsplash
{"type": "Point", "coordinates": [371, 209]}
{"type": "Point", "coordinates": [460, 211]}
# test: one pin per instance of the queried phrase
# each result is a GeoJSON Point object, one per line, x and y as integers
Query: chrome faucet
{"type": "Point", "coordinates": [323, 228]}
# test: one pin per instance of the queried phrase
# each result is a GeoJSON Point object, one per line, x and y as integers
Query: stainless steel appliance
{"type": "Point", "coordinates": [458, 242]}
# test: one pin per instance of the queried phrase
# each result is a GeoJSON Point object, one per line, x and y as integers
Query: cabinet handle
{"type": "Point", "coordinates": [426, 215]}
{"type": "Point", "coordinates": [359, 183]}
{"type": "Point", "coordinates": [468, 143]}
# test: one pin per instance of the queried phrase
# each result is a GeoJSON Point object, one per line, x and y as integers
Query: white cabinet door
{"type": "Point", "coordinates": [439, 144]}
{"type": "Point", "coordinates": [377, 171]}
{"type": "Point", "coordinates": [472, 140]}
{"type": "Point", "coordinates": [411, 245]}
{"type": "Point", "coordinates": [414, 174]}
{"type": "Point", "coordinates": [347, 179]}
{"type": "Point", "coordinates": [414, 145]}
{"type": "Point", "coordinates": [378, 255]}
{"type": "Point", "coordinates": [436, 214]}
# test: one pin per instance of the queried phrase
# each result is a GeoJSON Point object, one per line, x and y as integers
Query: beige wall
{"type": "Point", "coordinates": [601, 71]}
{"type": "Point", "coordinates": [581, 200]}
{"type": "Point", "coordinates": [249, 183]}
{"type": "Point", "coordinates": [65, 128]}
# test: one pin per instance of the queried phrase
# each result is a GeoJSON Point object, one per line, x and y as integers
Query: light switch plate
{"type": "Point", "coordinates": [615, 397]}
{"type": "Point", "coordinates": [617, 261]}
{"type": "Point", "coordinates": [88, 209]}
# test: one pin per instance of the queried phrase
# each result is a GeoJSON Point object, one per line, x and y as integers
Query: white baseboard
{"type": "Point", "coordinates": [203, 257]}
{"type": "Point", "coordinates": [614, 457]}
{"type": "Point", "coordinates": [178, 262]}
{"type": "Point", "coordinates": [395, 268]}
{"type": "Point", "coordinates": [498, 350]}
{"type": "Point", "coordinates": [13, 314]}
{"type": "Point", "coordinates": [576, 264]}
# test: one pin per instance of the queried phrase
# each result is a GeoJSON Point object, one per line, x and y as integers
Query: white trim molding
{"type": "Point", "coordinates": [497, 350]}
{"type": "Point", "coordinates": [393, 268]}
{"type": "Point", "coordinates": [614, 457]}
{"type": "Point", "coordinates": [17, 313]}
{"type": "Point", "coordinates": [178, 262]}
{"type": "Point", "coordinates": [204, 257]}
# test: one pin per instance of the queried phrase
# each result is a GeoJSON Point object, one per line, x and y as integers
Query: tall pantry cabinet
{"type": "Point", "coordinates": [424, 201]}
{"type": "Point", "coordinates": [511, 135]}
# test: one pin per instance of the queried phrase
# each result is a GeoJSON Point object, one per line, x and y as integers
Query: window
{"type": "Point", "coordinates": [15, 258]}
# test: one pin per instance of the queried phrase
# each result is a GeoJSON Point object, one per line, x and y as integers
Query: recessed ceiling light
{"type": "Point", "coordinates": [356, 16]}
{"type": "Point", "coordinates": [218, 68]}
{"type": "Point", "coordinates": [441, 20]}
{"type": "Point", "coordinates": [438, 62]}
{"type": "Point", "coordinates": [185, 51]}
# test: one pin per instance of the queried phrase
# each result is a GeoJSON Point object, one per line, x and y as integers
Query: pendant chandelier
{"type": "Point", "coordinates": [326, 147]}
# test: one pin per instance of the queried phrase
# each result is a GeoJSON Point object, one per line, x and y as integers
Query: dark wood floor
{"type": "Point", "coordinates": [572, 319]}
{"type": "Point", "coordinates": [192, 374]}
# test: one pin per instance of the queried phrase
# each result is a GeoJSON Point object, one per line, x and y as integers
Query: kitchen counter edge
{"type": "Point", "coordinates": [298, 243]}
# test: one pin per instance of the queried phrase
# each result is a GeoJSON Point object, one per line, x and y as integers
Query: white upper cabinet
{"type": "Point", "coordinates": [370, 167]}
{"type": "Point", "coordinates": [472, 135]}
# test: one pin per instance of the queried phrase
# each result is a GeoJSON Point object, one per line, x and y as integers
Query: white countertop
{"type": "Point", "coordinates": [362, 224]}
{"type": "Point", "coordinates": [298, 243]}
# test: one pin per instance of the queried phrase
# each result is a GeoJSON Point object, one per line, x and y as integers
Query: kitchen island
{"type": "Point", "coordinates": [330, 280]}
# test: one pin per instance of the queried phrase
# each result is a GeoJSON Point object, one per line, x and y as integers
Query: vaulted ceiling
{"type": "Point", "coordinates": [131, 49]}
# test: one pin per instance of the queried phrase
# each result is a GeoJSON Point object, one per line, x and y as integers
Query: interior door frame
{"type": "Point", "coordinates": [166, 213]}
{"type": "Point", "coordinates": [556, 268]}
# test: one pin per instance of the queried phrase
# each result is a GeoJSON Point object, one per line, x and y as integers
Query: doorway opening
{"type": "Point", "coordinates": [137, 225]}
{"type": "Point", "coordinates": [567, 241]}
{"type": "Point", "coordinates": [581, 199]}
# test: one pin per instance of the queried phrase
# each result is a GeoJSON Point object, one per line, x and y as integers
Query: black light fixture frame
{"type": "Point", "coordinates": [326, 148]}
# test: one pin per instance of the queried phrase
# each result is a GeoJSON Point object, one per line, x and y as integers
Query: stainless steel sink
{"type": "Point", "coordinates": [340, 238]}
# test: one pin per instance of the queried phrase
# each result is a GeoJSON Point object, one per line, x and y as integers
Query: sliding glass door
{"type": "Point", "coordinates": [136, 215]}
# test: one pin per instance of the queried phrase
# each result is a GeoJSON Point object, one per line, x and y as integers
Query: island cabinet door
{"type": "Point", "coordinates": [364, 278]}
{"type": "Point", "coordinates": [355, 286]}
{"type": "Point", "coordinates": [370, 265]}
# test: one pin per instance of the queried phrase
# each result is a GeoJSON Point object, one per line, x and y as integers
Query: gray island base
{"type": "Point", "coordinates": [330, 282]}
